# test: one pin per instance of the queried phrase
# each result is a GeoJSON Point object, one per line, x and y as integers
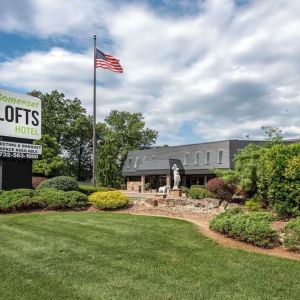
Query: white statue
{"type": "Point", "coordinates": [176, 176]}
{"type": "Point", "coordinates": [163, 189]}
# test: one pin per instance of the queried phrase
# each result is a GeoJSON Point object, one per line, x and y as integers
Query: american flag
{"type": "Point", "coordinates": [107, 61]}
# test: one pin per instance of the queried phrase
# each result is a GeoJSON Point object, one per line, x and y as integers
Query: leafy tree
{"type": "Point", "coordinates": [124, 131]}
{"type": "Point", "coordinates": [274, 135]}
{"type": "Point", "coordinates": [67, 122]}
{"type": "Point", "coordinates": [51, 164]}
{"type": "Point", "coordinates": [129, 133]}
{"type": "Point", "coordinates": [58, 113]}
{"type": "Point", "coordinates": [77, 144]}
{"type": "Point", "coordinates": [247, 162]}
{"type": "Point", "coordinates": [108, 171]}
{"type": "Point", "coordinates": [279, 178]}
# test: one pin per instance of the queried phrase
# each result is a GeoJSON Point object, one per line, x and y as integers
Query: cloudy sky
{"type": "Point", "coordinates": [197, 70]}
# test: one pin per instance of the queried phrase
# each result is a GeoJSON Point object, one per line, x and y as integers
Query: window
{"type": "Point", "coordinates": [197, 158]}
{"type": "Point", "coordinates": [220, 157]}
{"type": "Point", "coordinates": [186, 158]}
{"type": "Point", "coordinates": [136, 162]}
{"type": "Point", "coordinates": [207, 157]}
{"type": "Point", "coordinates": [129, 162]}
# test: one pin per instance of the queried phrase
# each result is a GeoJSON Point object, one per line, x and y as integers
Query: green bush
{"type": "Point", "coordinates": [23, 199]}
{"type": "Point", "coordinates": [197, 186]}
{"type": "Point", "coordinates": [252, 227]}
{"type": "Point", "coordinates": [255, 203]}
{"type": "Point", "coordinates": [88, 189]}
{"type": "Point", "coordinates": [18, 199]}
{"type": "Point", "coordinates": [123, 186]}
{"type": "Point", "coordinates": [57, 199]}
{"type": "Point", "coordinates": [63, 183]}
{"type": "Point", "coordinates": [184, 189]}
{"type": "Point", "coordinates": [108, 200]}
{"type": "Point", "coordinates": [147, 186]}
{"type": "Point", "coordinates": [291, 238]}
{"type": "Point", "coordinates": [278, 174]}
{"type": "Point", "coordinates": [198, 193]}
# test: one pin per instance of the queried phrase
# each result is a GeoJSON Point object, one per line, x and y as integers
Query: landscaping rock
{"type": "Point", "coordinates": [223, 206]}
{"type": "Point", "coordinates": [238, 199]}
{"type": "Point", "coordinates": [213, 203]}
{"type": "Point", "coordinates": [197, 206]}
{"type": "Point", "coordinates": [232, 205]}
{"type": "Point", "coordinates": [281, 237]}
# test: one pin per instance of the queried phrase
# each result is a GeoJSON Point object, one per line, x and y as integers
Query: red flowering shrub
{"type": "Point", "coordinates": [36, 180]}
{"type": "Point", "coordinates": [220, 189]}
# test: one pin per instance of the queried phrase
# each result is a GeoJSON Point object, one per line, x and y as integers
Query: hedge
{"type": "Point", "coordinates": [63, 183]}
{"type": "Point", "coordinates": [254, 227]}
{"type": "Point", "coordinates": [88, 190]}
{"type": "Point", "coordinates": [198, 193]}
{"type": "Point", "coordinates": [108, 200]}
{"type": "Point", "coordinates": [56, 199]}
{"type": "Point", "coordinates": [291, 239]}
{"type": "Point", "coordinates": [19, 199]}
{"type": "Point", "coordinates": [24, 199]}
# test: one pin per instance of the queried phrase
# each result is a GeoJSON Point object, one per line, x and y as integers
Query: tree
{"type": "Point", "coordinates": [77, 144]}
{"type": "Point", "coordinates": [279, 178]}
{"type": "Point", "coordinates": [274, 135]}
{"type": "Point", "coordinates": [58, 113]}
{"type": "Point", "coordinates": [124, 132]}
{"type": "Point", "coordinates": [129, 133]}
{"type": "Point", "coordinates": [108, 171]}
{"type": "Point", "coordinates": [67, 122]}
{"type": "Point", "coordinates": [247, 162]}
{"type": "Point", "coordinates": [51, 164]}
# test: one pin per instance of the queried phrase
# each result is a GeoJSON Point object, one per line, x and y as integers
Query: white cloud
{"type": "Point", "coordinates": [227, 70]}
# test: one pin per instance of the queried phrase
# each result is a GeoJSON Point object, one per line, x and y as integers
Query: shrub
{"type": "Point", "coordinates": [18, 199]}
{"type": "Point", "coordinates": [22, 199]}
{"type": "Point", "coordinates": [255, 203]}
{"type": "Point", "coordinates": [63, 183]}
{"type": "Point", "coordinates": [123, 186]}
{"type": "Point", "coordinates": [197, 186]}
{"type": "Point", "coordinates": [88, 189]}
{"type": "Point", "coordinates": [220, 189]}
{"type": "Point", "coordinates": [57, 199]}
{"type": "Point", "coordinates": [198, 193]}
{"type": "Point", "coordinates": [279, 178]}
{"type": "Point", "coordinates": [108, 200]}
{"type": "Point", "coordinates": [291, 238]}
{"type": "Point", "coordinates": [184, 189]}
{"type": "Point", "coordinates": [252, 227]}
{"type": "Point", "coordinates": [147, 186]}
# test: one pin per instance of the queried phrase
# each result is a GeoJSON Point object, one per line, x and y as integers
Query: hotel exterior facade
{"type": "Point", "coordinates": [195, 161]}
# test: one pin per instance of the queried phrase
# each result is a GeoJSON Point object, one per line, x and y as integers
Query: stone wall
{"type": "Point", "coordinates": [133, 185]}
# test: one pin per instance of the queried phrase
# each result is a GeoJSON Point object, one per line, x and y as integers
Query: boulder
{"type": "Point", "coordinates": [150, 202]}
{"type": "Point", "coordinates": [223, 206]}
{"type": "Point", "coordinates": [212, 203]}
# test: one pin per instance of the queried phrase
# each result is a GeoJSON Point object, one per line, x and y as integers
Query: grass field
{"type": "Point", "coordinates": [115, 256]}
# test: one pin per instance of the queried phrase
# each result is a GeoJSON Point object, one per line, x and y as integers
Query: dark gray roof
{"type": "Point", "coordinates": [192, 158]}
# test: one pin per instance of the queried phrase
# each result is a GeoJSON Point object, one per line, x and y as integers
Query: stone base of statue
{"type": "Point", "coordinates": [177, 193]}
{"type": "Point", "coordinates": [160, 196]}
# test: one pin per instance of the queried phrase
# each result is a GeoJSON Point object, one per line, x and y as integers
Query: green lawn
{"type": "Point", "coordinates": [110, 256]}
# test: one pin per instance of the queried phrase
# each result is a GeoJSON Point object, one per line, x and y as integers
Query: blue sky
{"type": "Point", "coordinates": [198, 70]}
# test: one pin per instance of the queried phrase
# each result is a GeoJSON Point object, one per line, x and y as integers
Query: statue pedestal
{"type": "Point", "coordinates": [175, 193]}
{"type": "Point", "coordinates": [160, 196]}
